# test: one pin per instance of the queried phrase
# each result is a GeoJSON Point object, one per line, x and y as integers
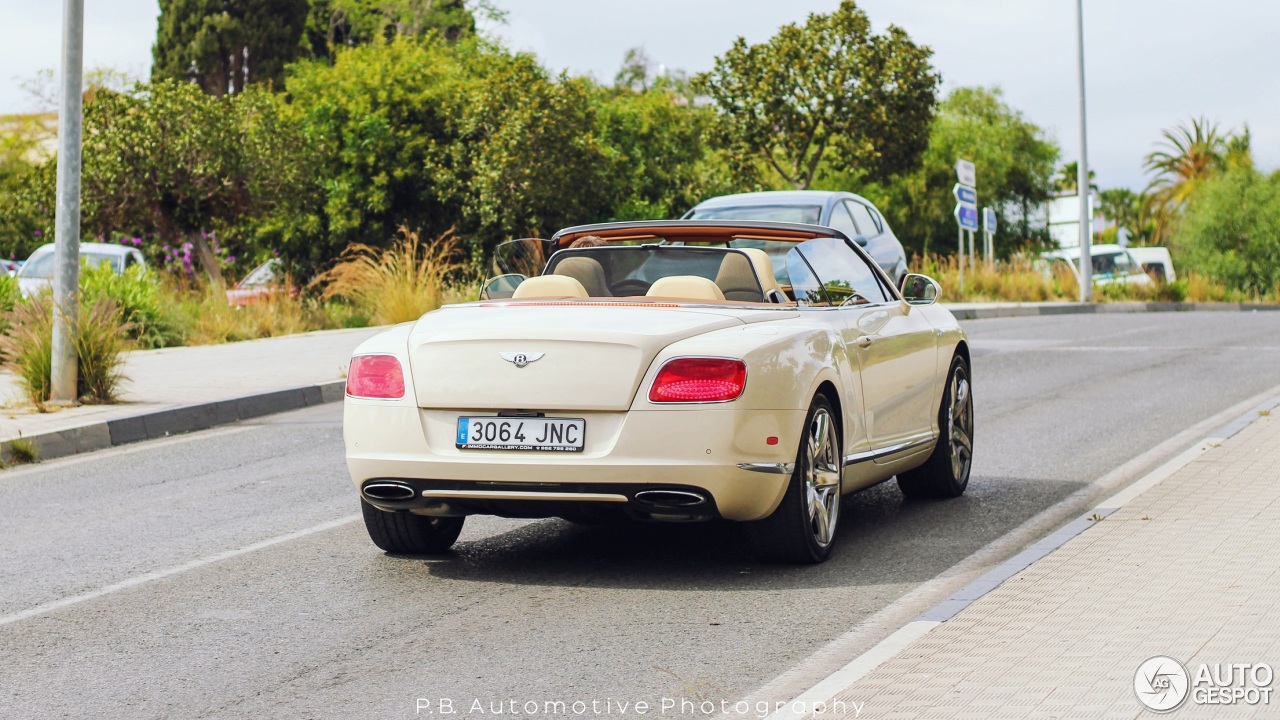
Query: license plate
{"type": "Point", "coordinates": [519, 433]}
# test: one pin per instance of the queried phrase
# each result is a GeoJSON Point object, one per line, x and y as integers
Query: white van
{"type": "Point", "coordinates": [1155, 261]}
{"type": "Point", "coordinates": [1111, 264]}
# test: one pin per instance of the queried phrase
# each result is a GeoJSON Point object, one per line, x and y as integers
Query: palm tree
{"type": "Point", "coordinates": [1181, 163]}
{"type": "Point", "coordinates": [1123, 207]}
{"type": "Point", "coordinates": [1068, 178]}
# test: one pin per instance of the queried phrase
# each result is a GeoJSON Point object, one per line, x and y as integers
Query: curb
{"type": "Point", "coordinates": [985, 311]}
{"type": "Point", "coordinates": [178, 420]}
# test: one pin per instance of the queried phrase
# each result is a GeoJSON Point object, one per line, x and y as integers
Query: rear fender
{"type": "Point", "coordinates": [786, 367]}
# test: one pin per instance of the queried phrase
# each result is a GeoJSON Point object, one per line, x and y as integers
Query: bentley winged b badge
{"type": "Point", "coordinates": [521, 359]}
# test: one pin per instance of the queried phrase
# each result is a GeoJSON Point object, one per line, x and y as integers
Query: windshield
{"type": "Point", "coordinates": [826, 272]}
{"type": "Point", "coordinates": [1112, 264]}
{"type": "Point", "coordinates": [807, 214]}
{"type": "Point", "coordinates": [40, 265]}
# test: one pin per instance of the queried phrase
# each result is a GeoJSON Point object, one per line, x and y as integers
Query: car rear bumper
{"type": "Point", "coordinates": [630, 459]}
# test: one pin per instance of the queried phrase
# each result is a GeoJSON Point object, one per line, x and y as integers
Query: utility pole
{"type": "Point", "coordinates": [66, 273]}
{"type": "Point", "coordinates": [1082, 176]}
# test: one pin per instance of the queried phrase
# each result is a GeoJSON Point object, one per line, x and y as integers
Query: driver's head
{"type": "Point", "coordinates": [588, 241]}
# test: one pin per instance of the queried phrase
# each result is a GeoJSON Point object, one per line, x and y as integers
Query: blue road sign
{"type": "Point", "coordinates": [967, 216]}
{"type": "Point", "coordinates": [965, 194]}
{"type": "Point", "coordinates": [988, 220]}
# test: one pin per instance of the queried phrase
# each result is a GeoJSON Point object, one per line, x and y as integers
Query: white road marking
{"type": "Point", "coordinates": [170, 572]}
{"type": "Point", "coordinates": [836, 682]}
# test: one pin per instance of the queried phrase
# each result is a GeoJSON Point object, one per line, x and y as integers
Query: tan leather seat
{"type": "Point", "coordinates": [549, 286]}
{"type": "Point", "coordinates": [748, 278]}
{"type": "Point", "coordinates": [586, 271]}
{"type": "Point", "coordinates": [690, 287]}
{"type": "Point", "coordinates": [737, 279]}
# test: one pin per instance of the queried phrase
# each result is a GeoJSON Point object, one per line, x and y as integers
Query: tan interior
{"type": "Point", "coordinates": [586, 271]}
{"type": "Point", "coordinates": [549, 286]}
{"type": "Point", "coordinates": [686, 286]}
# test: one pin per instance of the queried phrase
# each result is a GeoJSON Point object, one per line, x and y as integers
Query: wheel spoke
{"type": "Point", "coordinates": [961, 437]}
{"type": "Point", "coordinates": [821, 523]}
{"type": "Point", "coordinates": [961, 393]}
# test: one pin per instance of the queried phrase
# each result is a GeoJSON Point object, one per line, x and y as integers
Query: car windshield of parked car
{"type": "Point", "coordinates": [826, 272]}
{"type": "Point", "coordinates": [631, 270]}
{"type": "Point", "coordinates": [263, 275]}
{"type": "Point", "coordinates": [1113, 264]}
{"type": "Point", "coordinates": [807, 214]}
{"type": "Point", "coordinates": [41, 264]}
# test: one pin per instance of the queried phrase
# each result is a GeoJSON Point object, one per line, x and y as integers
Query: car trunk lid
{"type": "Point", "coordinates": [545, 357]}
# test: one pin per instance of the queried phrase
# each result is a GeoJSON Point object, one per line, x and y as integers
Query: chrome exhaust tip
{"type": "Point", "coordinates": [388, 491]}
{"type": "Point", "coordinates": [671, 498]}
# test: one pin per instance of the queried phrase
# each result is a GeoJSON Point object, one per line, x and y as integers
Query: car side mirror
{"type": "Point", "coordinates": [861, 240]}
{"type": "Point", "coordinates": [501, 287]}
{"type": "Point", "coordinates": [920, 289]}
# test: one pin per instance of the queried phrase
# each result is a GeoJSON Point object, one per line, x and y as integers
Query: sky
{"type": "Point", "coordinates": [1150, 64]}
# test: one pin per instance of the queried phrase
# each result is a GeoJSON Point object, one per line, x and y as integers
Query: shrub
{"type": "Point", "coordinates": [399, 284]}
{"type": "Point", "coordinates": [101, 339]}
{"type": "Point", "coordinates": [137, 292]}
{"type": "Point", "coordinates": [1231, 231]}
{"type": "Point", "coordinates": [10, 295]}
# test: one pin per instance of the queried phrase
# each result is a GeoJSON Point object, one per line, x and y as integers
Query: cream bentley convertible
{"type": "Point", "coordinates": [668, 371]}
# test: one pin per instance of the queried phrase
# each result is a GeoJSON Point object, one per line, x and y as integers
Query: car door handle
{"type": "Point", "coordinates": [865, 341]}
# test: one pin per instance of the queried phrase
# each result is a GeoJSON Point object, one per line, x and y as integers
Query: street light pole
{"type": "Point", "coordinates": [1082, 176]}
{"type": "Point", "coordinates": [66, 274]}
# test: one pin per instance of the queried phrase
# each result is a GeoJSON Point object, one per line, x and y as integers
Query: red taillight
{"type": "Point", "coordinates": [699, 380]}
{"type": "Point", "coordinates": [375, 376]}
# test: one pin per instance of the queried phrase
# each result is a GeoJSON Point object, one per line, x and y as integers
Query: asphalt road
{"type": "Point", "coordinates": [182, 622]}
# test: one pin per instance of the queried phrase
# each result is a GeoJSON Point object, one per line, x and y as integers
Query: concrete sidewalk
{"type": "Point", "coordinates": [1164, 597]}
{"type": "Point", "coordinates": [180, 389]}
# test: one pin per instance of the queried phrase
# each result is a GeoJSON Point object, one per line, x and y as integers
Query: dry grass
{"type": "Point", "coordinates": [401, 283]}
{"type": "Point", "coordinates": [1015, 280]}
{"type": "Point", "coordinates": [216, 321]}
{"type": "Point", "coordinates": [100, 342]}
{"type": "Point", "coordinates": [1023, 280]}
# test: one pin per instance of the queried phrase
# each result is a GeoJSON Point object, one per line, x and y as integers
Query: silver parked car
{"type": "Point", "coordinates": [37, 272]}
{"type": "Point", "coordinates": [851, 214]}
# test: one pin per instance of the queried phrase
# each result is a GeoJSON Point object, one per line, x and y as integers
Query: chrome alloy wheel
{"type": "Point", "coordinates": [821, 476]}
{"type": "Point", "coordinates": [960, 423]}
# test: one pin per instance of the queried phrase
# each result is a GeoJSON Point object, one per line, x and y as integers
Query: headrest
{"type": "Point", "coordinates": [586, 271]}
{"type": "Point", "coordinates": [764, 269]}
{"type": "Point", "coordinates": [685, 286]}
{"type": "Point", "coordinates": [549, 286]}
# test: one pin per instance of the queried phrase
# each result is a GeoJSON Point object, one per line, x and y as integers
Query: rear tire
{"type": "Point", "coordinates": [946, 473]}
{"type": "Point", "coordinates": [404, 532]}
{"type": "Point", "coordinates": [802, 530]}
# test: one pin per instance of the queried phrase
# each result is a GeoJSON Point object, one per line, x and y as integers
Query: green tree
{"type": "Point", "coordinates": [430, 135]}
{"type": "Point", "coordinates": [380, 122]}
{"type": "Point", "coordinates": [659, 143]}
{"type": "Point", "coordinates": [1124, 207]}
{"type": "Point", "coordinates": [182, 163]}
{"type": "Point", "coordinates": [1014, 158]}
{"type": "Point", "coordinates": [334, 24]}
{"type": "Point", "coordinates": [224, 45]}
{"type": "Point", "coordinates": [829, 85]}
{"type": "Point", "coordinates": [528, 162]}
{"type": "Point", "coordinates": [1068, 178]}
{"type": "Point", "coordinates": [1188, 156]}
{"type": "Point", "coordinates": [23, 208]}
{"type": "Point", "coordinates": [1231, 231]}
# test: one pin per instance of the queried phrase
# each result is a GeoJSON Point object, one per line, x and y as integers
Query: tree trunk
{"type": "Point", "coordinates": [208, 262]}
